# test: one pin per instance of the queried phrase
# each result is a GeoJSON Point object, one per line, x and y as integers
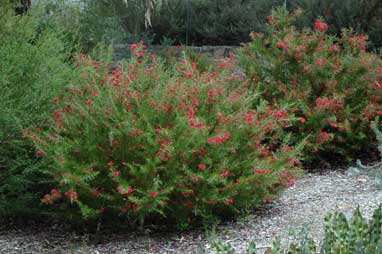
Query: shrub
{"type": "Point", "coordinates": [362, 16]}
{"type": "Point", "coordinates": [152, 143]}
{"type": "Point", "coordinates": [225, 22]}
{"type": "Point", "coordinates": [341, 235]}
{"type": "Point", "coordinates": [332, 83]}
{"type": "Point", "coordinates": [32, 68]}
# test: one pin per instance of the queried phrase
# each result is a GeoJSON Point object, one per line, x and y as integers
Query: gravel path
{"type": "Point", "coordinates": [304, 205]}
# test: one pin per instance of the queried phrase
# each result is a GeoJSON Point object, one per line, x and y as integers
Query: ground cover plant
{"type": "Point", "coordinates": [157, 144]}
{"type": "Point", "coordinates": [341, 235]}
{"type": "Point", "coordinates": [333, 83]}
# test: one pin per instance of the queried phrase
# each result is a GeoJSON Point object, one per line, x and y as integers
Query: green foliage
{"type": "Point", "coordinates": [84, 22]}
{"type": "Point", "coordinates": [198, 22]}
{"type": "Point", "coordinates": [32, 69]}
{"type": "Point", "coordinates": [341, 235]}
{"type": "Point", "coordinates": [332, 83]}
{"type": "Point", "coordinates": [347, 236]}
{"type": "Point", "coordinates": [226, 22]}
{"type": "Point", "coordinates": [163, 144]}
{"type": "Point", "coordinates": [171, 21]}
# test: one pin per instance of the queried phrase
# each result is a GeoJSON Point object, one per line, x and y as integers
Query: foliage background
{"type": "Point", "coordinates": [202, 22]}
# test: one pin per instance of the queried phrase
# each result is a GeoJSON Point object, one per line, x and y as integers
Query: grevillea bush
{"type": "Point", "coordinates": [157, 144]}
{"type": "Point", "coordinates": [332, 84]}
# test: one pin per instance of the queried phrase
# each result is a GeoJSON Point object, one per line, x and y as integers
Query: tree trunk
{"type": "Point", "coordinates": [23, 6]}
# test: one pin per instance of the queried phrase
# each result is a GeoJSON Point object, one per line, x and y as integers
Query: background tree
{"type": "Point", "coordinates": [22, 6]}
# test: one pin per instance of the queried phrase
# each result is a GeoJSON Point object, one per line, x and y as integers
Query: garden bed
{"type": "Point", "coordinates": [303, 205]}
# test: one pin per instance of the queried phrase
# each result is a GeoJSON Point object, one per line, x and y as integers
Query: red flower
{"type": "Point", "coordinates": [269, 19]}
{"type": "Point", "coordinates": [302, 120]}
{"type": "Point", "coordinates": [56, 114]}
{"type": "Point", "coordinates": [202, 166]}
{"type": "Point", "coordinates": [320, 62]}
{"type": "Point", "coordinates": [324, 136]}
{"type": "Point", "coordinates": [46, 199]}
{"type": "Point", "coordinates": [55, 99]}
{"type": "Point", "coordinates": [95, 192]}
{"type": "Point", "coordinates": [188, 75]}
{"type": "Point", "coordinates": [228, 201]}
{"type": "Point", "coordinates": [110, 163]}
{"type": "Point", "coordinates": [224, 174]}
{"type": "Point", "coordinates": [282, 44]}
{"type": "Point", "coordinates": [153, 194]}
{"type": "Point", "coordinates": [218, 139]}
{"type": "Point", "coordinates": [71, 194]}
{"type": "Point", "coordinates": [133, 47]}
{"type": "Point", "coordinates": [222, 65]}
{"type": "Point", "coordinates": [115, 173]}
{"type": "Point", "coordinates": [41, 153]}
{"type": "Point", "coordinates": [195, 102]}
{"type": "Point", "coordinates": [320, 25]}
{"type": "Point", "coordinates": [189, 204]}
{"type": "Point", "coordinates": [334, 48]}
{"type": "Point", "coordinates": [89, 102]}
{"type": "Point", "coordinates": [259, 171]}
{"type": "Point", "coordinates": [127, 192]}
{"type": "Point", "coordinates": [267, 199]}
{"type": "Point", "coordinates": [127, 106]}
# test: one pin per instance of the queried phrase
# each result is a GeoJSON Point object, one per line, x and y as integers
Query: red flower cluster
{"type": "Point", "coordinates": [71, 194]}
{"type": "Point", "coordinates": [320, 25]}
{"type": "Point", "coordinates": [218, 139]}
{"type": "Point", "coordinates": [282, 44]}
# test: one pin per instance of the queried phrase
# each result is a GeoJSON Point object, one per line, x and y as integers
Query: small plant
{"type": "Point", "coordinates": [341, 235]}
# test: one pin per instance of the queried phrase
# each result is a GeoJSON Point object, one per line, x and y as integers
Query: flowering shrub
{"type": "Point", "coordinates": [332, 84]}
{"type": "Point", "coordinates": [149, 142]}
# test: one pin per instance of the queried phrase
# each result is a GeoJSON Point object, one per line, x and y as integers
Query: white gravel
{"type": "Point", "coordinates": [303, 205]}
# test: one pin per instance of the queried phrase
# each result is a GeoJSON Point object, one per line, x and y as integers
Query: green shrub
{"type": "Point", "coordinates": [32, 69]}
{"type": "Point", "coordinates": [156, 144]}
{"type": "Point", "coordinates": [200, 22]}
{"type": "Point", "coordinates": [86, 23]}
{"type": "Point", "coordinates": [332, 83]}
{"type": "Point", "coordinates": [362, 16]}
